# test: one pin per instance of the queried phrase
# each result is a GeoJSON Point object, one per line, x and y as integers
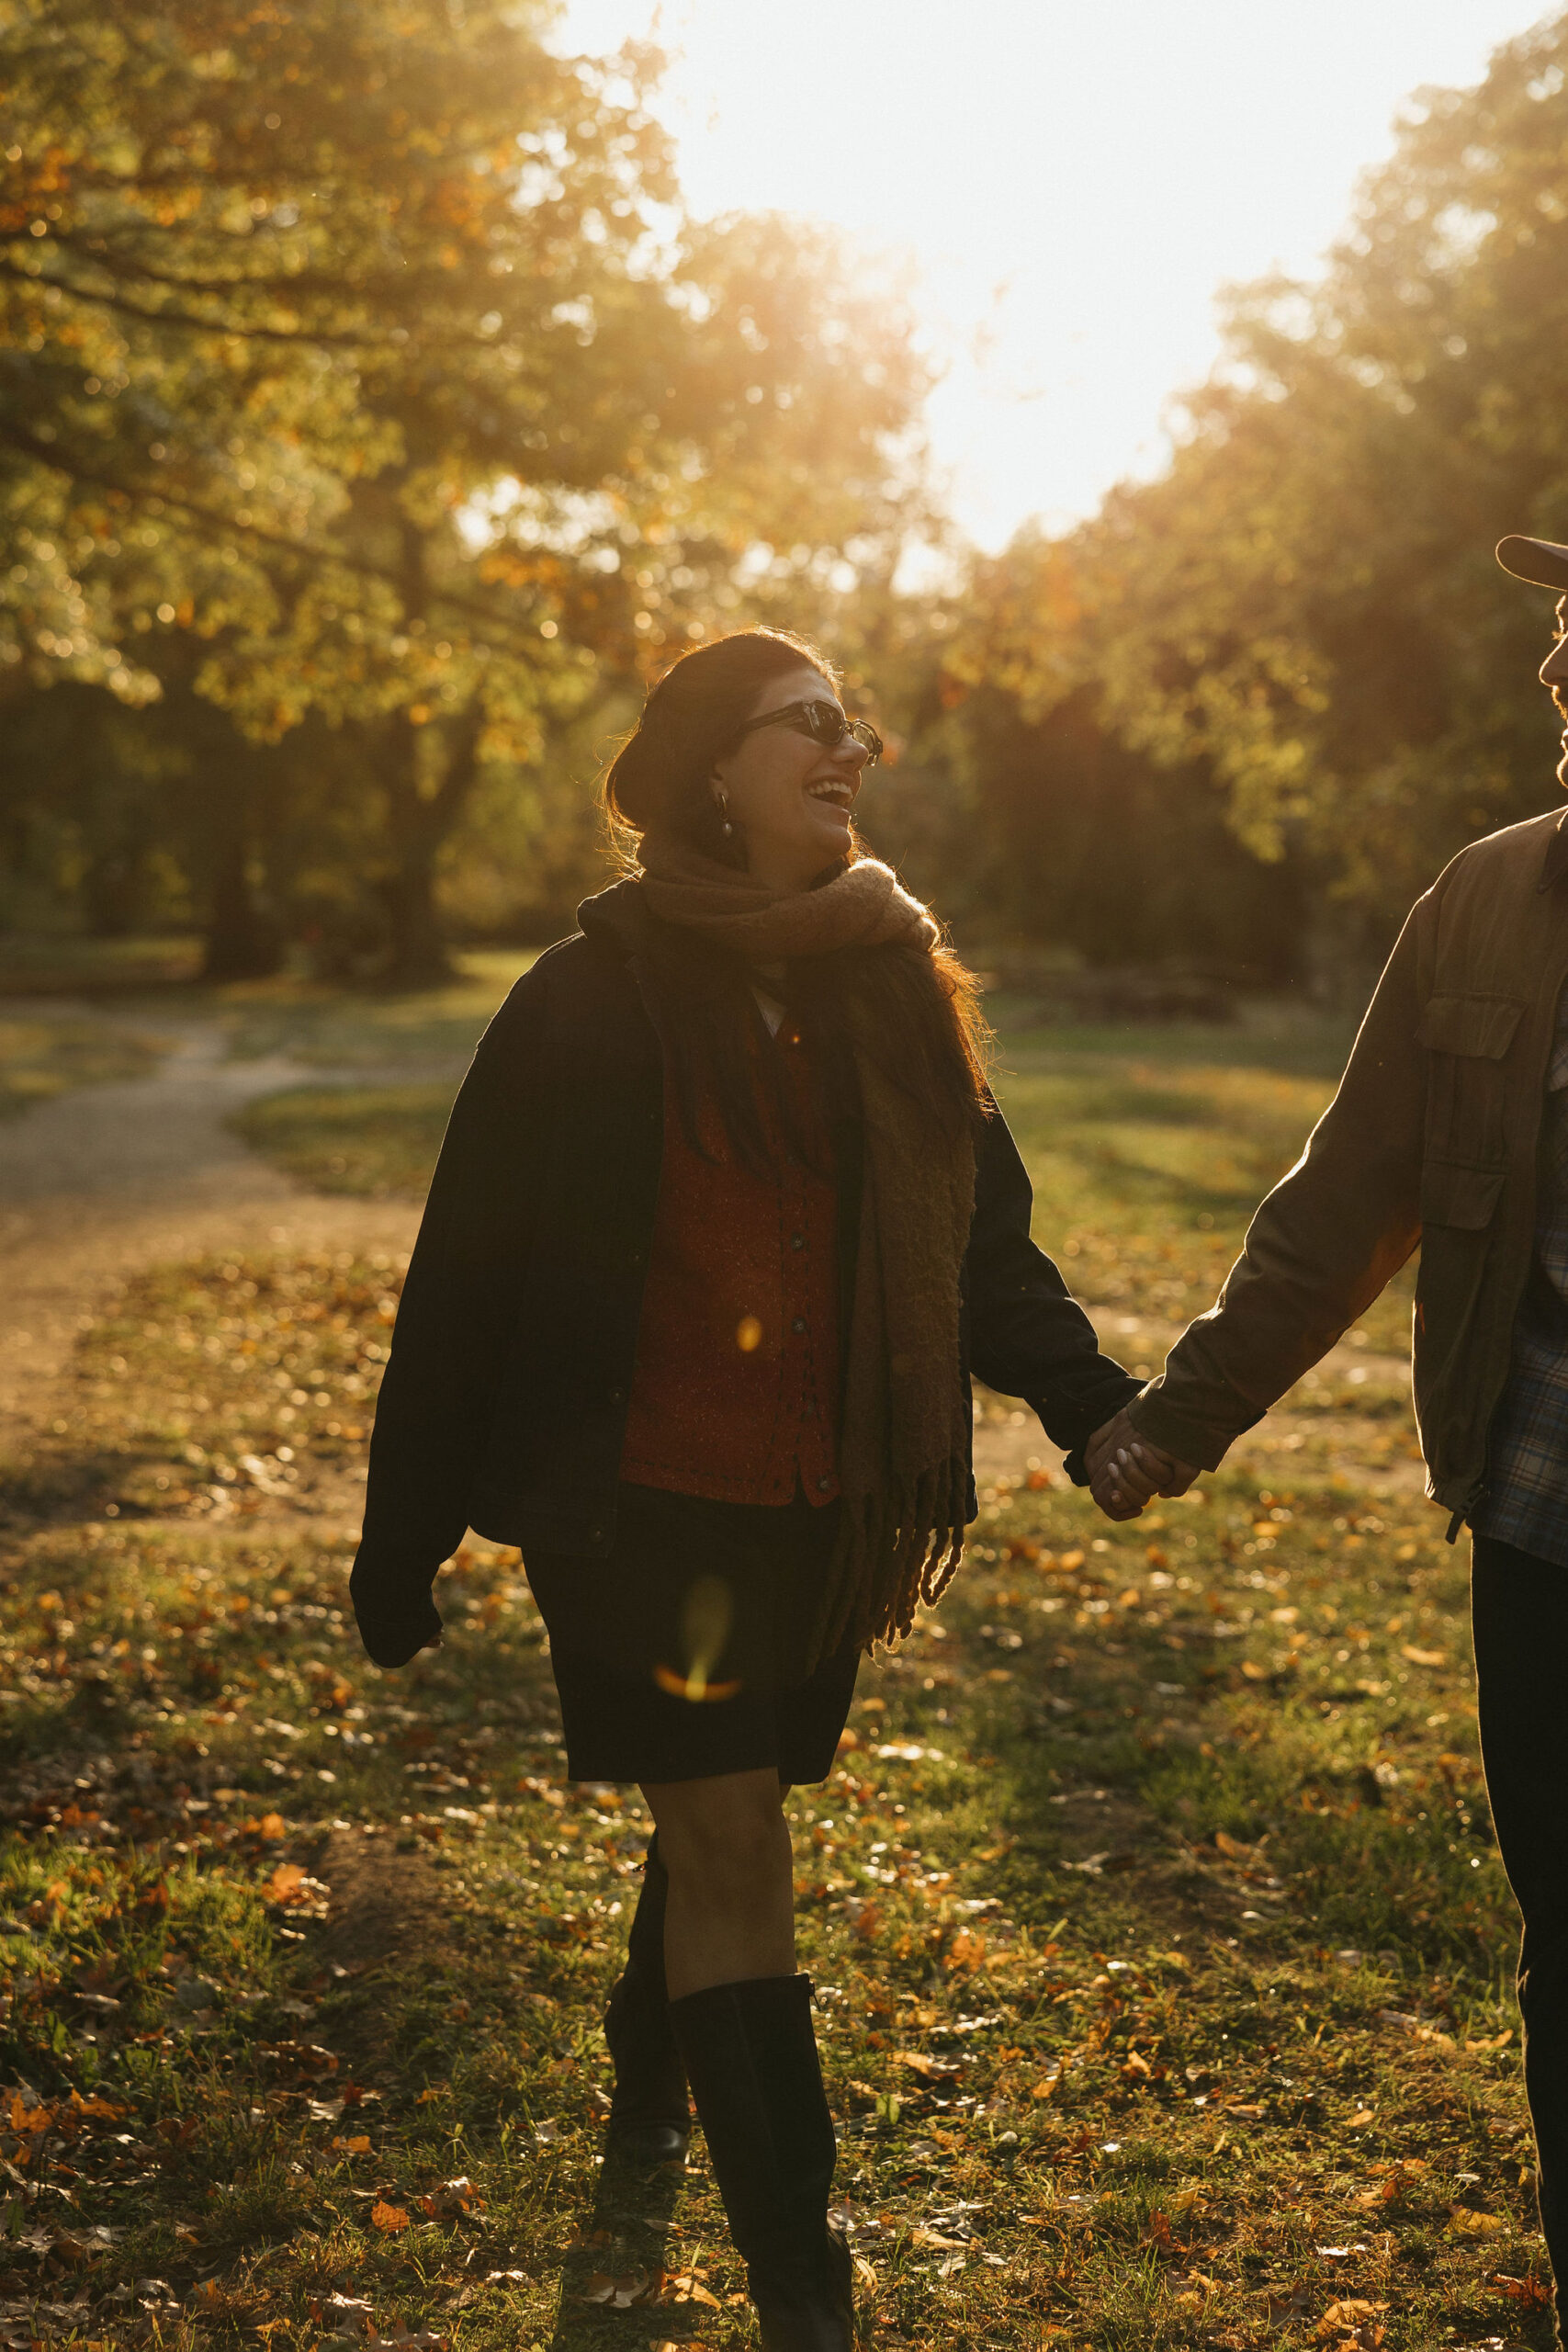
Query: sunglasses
{"type": "Point", "coordinates": [826, 724]}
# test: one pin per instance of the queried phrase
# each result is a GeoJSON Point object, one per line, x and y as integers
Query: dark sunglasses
{"type": "Point", "coordinates": [826, 724]}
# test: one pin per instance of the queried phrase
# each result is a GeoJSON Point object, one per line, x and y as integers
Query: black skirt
{"type": "Point", "coordinates": [682, 1656]}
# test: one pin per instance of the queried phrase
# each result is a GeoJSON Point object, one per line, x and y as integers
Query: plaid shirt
{"type": "Point", "coordinates": [1526, 1502]}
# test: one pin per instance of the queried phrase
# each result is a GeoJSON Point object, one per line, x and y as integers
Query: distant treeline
{"type": "Point", "coordinates": [373, 424]}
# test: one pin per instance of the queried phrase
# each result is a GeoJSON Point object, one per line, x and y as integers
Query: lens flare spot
{"type": "Point", "coordinates": [706, 1615]}
{"type": "Point", "coordinates": [693, 1686]}
{"type": "Point", "coordinates": [748, 1334]}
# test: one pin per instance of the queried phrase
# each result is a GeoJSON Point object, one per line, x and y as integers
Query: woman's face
{"type": "Point", "coordinates": [789, 798]}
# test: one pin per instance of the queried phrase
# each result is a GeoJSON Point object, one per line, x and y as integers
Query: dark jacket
{"type": "Point", "coordinates": [503, 1404]}
{"type": "Point", "coordinates": [1431, 1139]}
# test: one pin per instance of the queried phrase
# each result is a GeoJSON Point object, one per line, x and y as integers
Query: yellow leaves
{"type": "Point", "coordinates": [1351, 2325]}
{"type": "Point", "coordinates": [1468, 2223]}
{"type": "Point", "coordinates": [1493, 2041]}
{"type": "Point", "coordinates": [620, 2291]}
{"type": "Point", "coordinates": [290, 1885]}
{"type": "Point", "coordinates": [929, 2070]}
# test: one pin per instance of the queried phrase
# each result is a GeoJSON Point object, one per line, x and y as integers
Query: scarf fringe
{"type": "Point", "coordinates": [900, 1552]}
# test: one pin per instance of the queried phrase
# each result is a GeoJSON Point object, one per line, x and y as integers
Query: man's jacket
{"type": "Point", "coordinates": [503, 1406]}
{"type": "Point", "coordinates": [1431, 1140]}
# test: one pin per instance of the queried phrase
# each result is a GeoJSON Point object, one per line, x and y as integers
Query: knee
{"type": "Point", "coordinates": [727, 1855]}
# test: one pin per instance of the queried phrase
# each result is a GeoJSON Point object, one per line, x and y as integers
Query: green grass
{"type": "Point", "coordinates": [1148, 1150]}
{"type": "Point", "coordinates": [1161, 1943]}
{"type": "Point", "coordinates": [372, 1141]}
{"type": "Point", "coordinates": [335, 1027]}
{"type": "Point", "coordinates": [43, 1054]}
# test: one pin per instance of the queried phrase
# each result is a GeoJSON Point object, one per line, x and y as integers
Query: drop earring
{"type": "Point", "coordinates": [726, 828]}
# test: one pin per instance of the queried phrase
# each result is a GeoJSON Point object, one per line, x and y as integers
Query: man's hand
{"type": "Point", "coordinates": [1126, 1471]}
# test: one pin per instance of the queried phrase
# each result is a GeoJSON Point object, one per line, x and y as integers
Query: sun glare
{"type": "Point", "coordinates": [1075, 184]}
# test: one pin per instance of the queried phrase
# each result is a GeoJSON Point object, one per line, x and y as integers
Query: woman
{"type": "Point", "coordinates": [723, 1213]}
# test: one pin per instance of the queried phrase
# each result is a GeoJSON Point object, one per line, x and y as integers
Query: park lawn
{"type": "Point", "coordinates": [1149, 1148]}
{"type": "Point", "coordinates": [1161, 1946]}
{"type": "Point", "coordinates": [332, 1027]}
{"type": "Point", "coordinates": [42, 1053]}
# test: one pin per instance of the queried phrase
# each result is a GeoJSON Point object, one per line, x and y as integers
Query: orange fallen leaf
{"type": "Point", "coordinates": [388, 2218]}
{"type": "Point", "coordinates": [451, 2198]}
{"type": "Point", "coordinates": [357, 2146]}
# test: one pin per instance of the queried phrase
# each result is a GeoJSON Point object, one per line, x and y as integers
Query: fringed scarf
{"type": "Point", "coordinates": [903, 1448]}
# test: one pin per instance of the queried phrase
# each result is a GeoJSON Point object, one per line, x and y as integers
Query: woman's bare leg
{"type": "Point", "coordinates": [726, 1845]}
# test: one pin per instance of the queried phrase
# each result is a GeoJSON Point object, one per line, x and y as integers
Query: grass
{"type": "Point", "coordinates": [332, 1027]}
{"type": "Point", "coordinates": [1149, 1148]}
{"type": "Point", "coordinates": [374, 1141]}
{"type": "Point", "coordinates": [1162, 1949]}
{"type": "Point", "coordinates": [1160, 1939]}
{"type": "Point", "coordinates": [42, 1053]}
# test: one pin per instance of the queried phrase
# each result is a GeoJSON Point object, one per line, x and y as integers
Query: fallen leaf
{"type": "Point", "coordinates": [1291, 2302]}
{"type": "Point", "coordinates": [449, 2200]}
{"type": "Point", "coordinates": [1493, 2041]}
{"type": "Point", "coordinates": [389, 2218]}
{"type": "Point", "coordinates": [1362, 2115]}
{"type": "Point", "coordinates": [1424, 1658]}
{"type": "Point", "coordinates": [357, 2146]}
{"type": "Point", "coordinates": [1232, 1847]}
{"type": "Point", "coordinates": [1529, 2292]}
{"type": "Point", "coordinates": [1472, 2224]}
{"type": "Point", "coordinates": [930, 2069]}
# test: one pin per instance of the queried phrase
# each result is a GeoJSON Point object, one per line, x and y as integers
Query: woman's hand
{"type": "Point", "coordinates": [1126, 1471]}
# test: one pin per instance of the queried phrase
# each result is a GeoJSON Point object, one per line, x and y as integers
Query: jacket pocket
{"type": "Point", "coordinates": [1468, 1039]}
{"type": "Point", "coordinates": [1454, 1195]}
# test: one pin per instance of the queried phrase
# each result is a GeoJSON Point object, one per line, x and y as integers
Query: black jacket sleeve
{"type": "Point", "coordinates": [1027, 1336]}
{"type": "Point", "coordinates": [456, 1321]}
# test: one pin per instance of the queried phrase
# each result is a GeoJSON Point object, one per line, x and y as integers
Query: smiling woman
{"type": "Point", "coordinates": [723, 1213]}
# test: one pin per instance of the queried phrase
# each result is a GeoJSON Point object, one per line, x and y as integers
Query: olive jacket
{"type": "Point", "coordinates": [503, 1404]}
{"type": "Point", "coordinates": [1430, 1141]}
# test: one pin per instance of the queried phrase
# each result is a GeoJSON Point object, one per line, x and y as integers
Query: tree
{"type": "Point", "coordinates": [385, 365]}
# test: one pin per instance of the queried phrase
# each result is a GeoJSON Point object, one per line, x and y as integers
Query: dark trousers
{"type": "Point", "coordinates": [1519, 1609]}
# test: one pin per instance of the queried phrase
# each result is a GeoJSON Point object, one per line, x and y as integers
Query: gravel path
{"type": "Point", "coordinates": [106, 1180]}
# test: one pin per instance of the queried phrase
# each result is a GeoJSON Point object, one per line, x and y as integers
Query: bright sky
{"type": "Point", "coordinates": [1076, 179]}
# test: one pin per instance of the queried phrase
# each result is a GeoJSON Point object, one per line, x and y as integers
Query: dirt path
{"type": "Point", "coordinates": [106, 1180]}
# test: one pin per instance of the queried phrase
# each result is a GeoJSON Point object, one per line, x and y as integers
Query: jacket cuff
{"type": "Point", "coordinates": [397, 1618]}
{"type": "Point", "coordinates": [1175, 1435]}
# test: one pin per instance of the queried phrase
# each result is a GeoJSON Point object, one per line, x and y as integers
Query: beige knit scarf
{"type": "Point", "coordinates": [903, 1448]}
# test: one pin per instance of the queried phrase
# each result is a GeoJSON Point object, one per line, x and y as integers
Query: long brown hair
{"type": "Point", "coordinates": [917, 1012]}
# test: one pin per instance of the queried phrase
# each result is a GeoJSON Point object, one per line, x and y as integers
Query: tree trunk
{"type": "Point", "coordinates": [418, 824]}
{"type": "Point", "coordinates": [243, 943]}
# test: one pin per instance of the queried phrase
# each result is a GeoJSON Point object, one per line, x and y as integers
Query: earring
{"type": "Point", "coordinates": [726, 828]}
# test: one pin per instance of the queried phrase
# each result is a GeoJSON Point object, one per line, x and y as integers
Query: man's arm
{"type": "Point", "coordinates": [1327, 1240]}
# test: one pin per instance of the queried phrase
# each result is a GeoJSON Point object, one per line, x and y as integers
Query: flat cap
{"type": "Point", "coordinates": [1542, 560]}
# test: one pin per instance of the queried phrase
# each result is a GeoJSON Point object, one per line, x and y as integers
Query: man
{"type": "Point", "coordinates": [1450, 1130]}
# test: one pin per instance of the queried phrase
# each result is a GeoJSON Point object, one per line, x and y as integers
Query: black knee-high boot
{"type": "Point", "coordinates": [750, 2055]}
{"type": "Point", "coordinates": [651, 2118]}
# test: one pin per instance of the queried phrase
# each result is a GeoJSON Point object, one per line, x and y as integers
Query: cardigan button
{"type": "Point", "coordinates": [617, 1395]}
{"type": "Point", "coordinates": [798, 1241]}
{"type": "Point", "coordinates": [799, 1323]}
{"type": "Point", "coordinates": [823, 1484]}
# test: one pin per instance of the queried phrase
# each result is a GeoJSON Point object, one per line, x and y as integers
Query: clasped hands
{"type": "Point", "coordinates": [1125, 1472]}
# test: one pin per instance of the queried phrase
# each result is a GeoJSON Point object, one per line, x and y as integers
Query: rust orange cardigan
{"type": "Point", "coordinates": [735, 1393]}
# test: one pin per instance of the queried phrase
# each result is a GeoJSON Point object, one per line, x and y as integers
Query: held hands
{"type": "Point", "coordinates": [1126, 1471]}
